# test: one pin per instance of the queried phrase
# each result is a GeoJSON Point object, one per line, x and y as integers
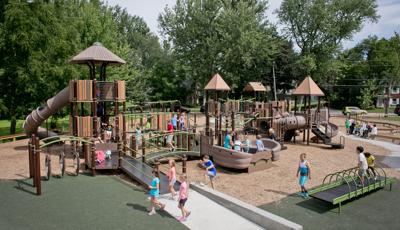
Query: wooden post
{"type": "Point", "coordinates": [207, 116]}
{"type": "Point", "coordinates": [119, 147]}
{"type": "Point", "coordinates": [143, 149]}
{"type": "Point", "coordinates": [195, 123]}
{"type": "Point", "coordinates": [93, 158]}
{"type": "Point", "coordinates": [295, 105]}
{"type": "Point", "coordinates": [124, 133]}
{"type": "Point", "coordinates": [184, 159]}
{"type": "Point", "coordinates": [133, 146]}
{"type": "Point", "coordinates": [116, 111]}
{"type": "Point", "coordinates": [233, 121]}
{"type": "Point", "coordinates": [309, 120]}
{"type": "Point", "coordinates": [31, 159]}
{"type": "Point", "coordinates": [305, 115]}
{"type": "Point", "coordinates": [94, 108]}
{"type": "Point", "coordinates": [37, 166]}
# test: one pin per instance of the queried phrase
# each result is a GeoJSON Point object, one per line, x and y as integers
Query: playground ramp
{"type": "Point", "coordinates": [142, 173]}
{"type": "Point", "coordinates": [39, 115]}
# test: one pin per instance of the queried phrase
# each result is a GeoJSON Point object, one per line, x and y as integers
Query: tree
{"type": "Point", "coordinates": [229, 37]}
{"type": "Point", "coordinates": [318, 26]}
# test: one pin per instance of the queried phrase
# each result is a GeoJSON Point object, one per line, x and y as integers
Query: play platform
{"type": "Point", "coordinates": [345, 185]}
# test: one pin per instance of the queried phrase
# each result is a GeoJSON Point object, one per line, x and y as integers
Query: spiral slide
{"type": "Point", "coordinates": [39, 115]}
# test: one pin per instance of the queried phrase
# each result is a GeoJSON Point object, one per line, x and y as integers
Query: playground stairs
{"type": "Point", "coordinates": [325, 138]}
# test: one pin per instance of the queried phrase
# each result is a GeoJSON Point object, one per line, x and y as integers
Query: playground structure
{"type": "Point", "coordinates": [101, 129]}
{"type": "Point", "coordinates": [251, 161]}
{"type": "Point", "coordinates": [345, 185]}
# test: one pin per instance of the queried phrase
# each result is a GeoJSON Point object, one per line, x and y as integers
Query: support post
{"type": "Point", "coordinates": [31, 159]}
{"type": "Point", "coordinates": [207, 116]}
{"type": "Point", "coordinates": [37, 166]}
{"type": "Point", "coordinates": [93, 158]}
{"type": "Point", "coordinates": [143, 149]}
{"type": "Point", "coordinates": [119, 147]}
{"type": "Point", "coordinates": [184, 159]}
{"type": "Point", "coordinates": [308, 120]}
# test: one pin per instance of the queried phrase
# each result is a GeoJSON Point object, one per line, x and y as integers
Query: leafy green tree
{"type": "Point", "coordinates": [229, 37]}
{"type": "Point", "coordinates": [318, 27]}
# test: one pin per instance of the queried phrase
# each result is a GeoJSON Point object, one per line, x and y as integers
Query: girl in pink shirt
{"type": "Point", "coordinates": [183, 196]}
{"type": "Point", "coordinates": [172, 178]}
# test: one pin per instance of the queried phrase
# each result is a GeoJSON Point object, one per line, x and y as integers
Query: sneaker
{"type": "Point", "coordinates": [152, 212]}
{"type": "Point", "coordinates": [376, 178]}
{"type": "Point", "coordinates": [162, 207]}
{"type": "Point", "coordinates": [306, 195]}
{"type": "Point", "coordinates": [202, 184]}
{"type": "Point", "coordinates": [188, 214]}
{"type": "Point", "coordinates": [182, 219]}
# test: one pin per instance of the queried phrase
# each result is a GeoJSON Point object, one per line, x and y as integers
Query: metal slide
{"type": "Point", "coordinates": [33, 120]}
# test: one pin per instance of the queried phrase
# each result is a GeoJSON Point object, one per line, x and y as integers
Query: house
{"type": "Point", "coordinates": [393, 100]}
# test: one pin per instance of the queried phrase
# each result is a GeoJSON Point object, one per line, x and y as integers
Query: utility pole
{"type": "Point", "coordinates": [273, 76]}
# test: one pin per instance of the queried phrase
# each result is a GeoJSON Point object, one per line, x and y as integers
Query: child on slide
{"type": "Point", "coordinates": [304, 171]}
{"type": "Point", "coordinates": [154, 193]}
{"type": "Point", "coordinates": [172, 178]}
{"type": "Point", "coordinates": [183, 196]}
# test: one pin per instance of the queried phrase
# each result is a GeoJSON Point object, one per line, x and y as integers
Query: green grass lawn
{"type": "Point", "coordinates": [377, 210]}
{"type": "Point", "coordinates": [380, 110]}
{"type": "Point", "coordinates": [62, 125]}
{"type": "Point", "coordinates": [83, 202]}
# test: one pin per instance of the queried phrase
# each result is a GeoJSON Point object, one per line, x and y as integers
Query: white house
{"type": "Point", "coordinates": [393, 100]}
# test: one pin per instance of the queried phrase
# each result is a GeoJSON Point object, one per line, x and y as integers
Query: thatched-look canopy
{"type": "Point", "coordinates": [97, 54]}
{"type": "Point", "coordinates": [308, 87]}
{"type": "Point", "coordinates": [255, 87]}
{"type": "Point", "coordinates": [217, 84]}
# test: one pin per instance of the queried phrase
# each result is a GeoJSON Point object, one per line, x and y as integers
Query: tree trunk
{"type": "Point", "coordinates": [13, 124]}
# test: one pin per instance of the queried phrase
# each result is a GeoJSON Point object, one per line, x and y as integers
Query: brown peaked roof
{"type": "Point", "coordinates": [97, 53]}
{"type": "Point", "coordinates": [255, 87]}
{"type": "Point", "coordinates": [217, 83]}
{"type": "Point", "coordinates": [308, 87]}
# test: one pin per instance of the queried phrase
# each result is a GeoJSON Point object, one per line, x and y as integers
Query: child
{"type": "Point", "coordinates": [347, 125]}
{"type": "Point", "coordinates": [304, 170]}
{"type": "Point", "coordinates": [228, 141]}
{"type": "Point", "coordinates": [211, 172]}
{"type": "Point", "coordinates": [362, 164]}
{"type": "Point", "coordinates": [183, 196]}
{"type": "Point", "coordinates": [154, 192]}
{"type": "Point", "coordinates": [174, 121]}
{"type": "Point", "coordinates": [371, 164]}
{"type": "Point", "coordinates": [170, 136]}
{"type": "Point", "coordinates": [246, 144]}
{"type": "Point", "coordinates": [172, 178]}
{"type": "Point", "coordinates": [182, 121]}
{"type": "Point", "coordinates": [138, 137]}
{"type": "Point", "coordinates": [237, 145]}
{"type": "Point", "coordinates": [259, 144]}
{"type": "Point", "coordinates": [272, 134]}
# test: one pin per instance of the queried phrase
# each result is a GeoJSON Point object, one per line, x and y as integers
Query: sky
{"type": "Point", "coordinates": [388, 10]}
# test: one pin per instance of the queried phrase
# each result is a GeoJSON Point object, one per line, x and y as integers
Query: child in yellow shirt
{"type": "Point", "coordinates": [371, 164]}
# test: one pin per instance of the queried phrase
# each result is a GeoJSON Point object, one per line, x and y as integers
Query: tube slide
{"type": "Point", "coordinates": [33, 120]}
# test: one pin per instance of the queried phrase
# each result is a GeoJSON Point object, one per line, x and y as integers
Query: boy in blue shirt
{"type": "Point", "coordinates": [259, 144]}
{"type": "Point", "coordinates": [211, 172]}
{"type": "Point", "coordinates": [228, 143]}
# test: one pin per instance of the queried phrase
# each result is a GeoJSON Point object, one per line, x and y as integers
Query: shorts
{"type": "Point", "coordinates": [362, 172]}
{"type": "Point", "coordinates": [172, 182]}
{"type": "Point", "coordinates": [169, 138]}
{"type": "Point", "coordinates": [303, 180]}
{"type": "Point", "coordinates": [154, 196]}
{"type": "Point", "coordinates": [211, 174]}
{"type": "Point", "coordinates": [182, 202]}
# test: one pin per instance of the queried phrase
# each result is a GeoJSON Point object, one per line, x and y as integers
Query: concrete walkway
{"type": "Point", "coordinates": [392, 160]}
{"type": "Point", "coordinates": [206, 214]}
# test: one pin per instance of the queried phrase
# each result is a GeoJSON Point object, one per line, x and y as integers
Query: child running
{"type": "Point", "coordinates": [172, 178]}
{"type": "Point", "coordinates": [154, 192]}
{"type": "Point", "coordinates": [371, 164]}
{"type": "Point", "coordinates": [362, 164]}
{"type": "Point", "coordinates": [183, 196]}
{"type": "Point", "coordinates": [211, 172]}
{"type": "Point", "coordinates": [305, 173]}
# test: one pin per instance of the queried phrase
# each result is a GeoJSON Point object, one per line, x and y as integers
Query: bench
{"type": "Point", "coordinates": [383, 136]}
